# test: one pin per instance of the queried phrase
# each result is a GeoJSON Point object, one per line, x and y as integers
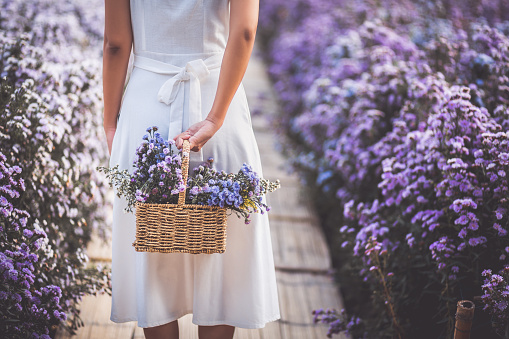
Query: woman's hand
{"type": "Point", "coordinates": [197, 134]}
{"type": "Point", "coordinates": [110, 133]}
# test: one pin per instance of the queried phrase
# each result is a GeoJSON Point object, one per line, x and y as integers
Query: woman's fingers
{"type": "Point", "coordinates": [197, 134]}
{"type": "Point", "coordinates": [179, 139]}
{"type": "Point", "coordinates": [194, 144]}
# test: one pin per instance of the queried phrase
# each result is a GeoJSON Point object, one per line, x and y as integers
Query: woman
{"type": "Point", "coordinates": [189, 60]}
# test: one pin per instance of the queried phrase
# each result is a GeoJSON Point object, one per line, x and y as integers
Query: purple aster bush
{"type": "Point", "coordinates": [35, 135]}
{"type": "Point", "coordinates": [297, 51]}
{"type": "Point", "coordinates": [289, 31]}
{"type": "Point", "coordinates": [64, 29]}
{"type": "Point", "coordinates": [338, 321]}
{"type": "Point", "coordinates": [51, 127]}
{"type": "Point", "coordinates": [478, 58]}
{"type": "Point", "coordinates": [344, 126]}
{"type": "Point", "coordinates": [443, 199]}
{"type": "Point", "coordinates": [391, 147]}
{"type": "Point", "coordinates": [29, 308]}
{"type": "Point", "coordinates": [496, 297]}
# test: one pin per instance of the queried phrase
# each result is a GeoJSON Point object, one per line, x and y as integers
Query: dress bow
{"type": "Point", "coordinates": [182, 113]}
{"type": "Point", "coordinates": [194, 71]}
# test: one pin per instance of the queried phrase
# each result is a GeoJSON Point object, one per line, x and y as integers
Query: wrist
{"type": "Point", "coordinates": [110, 119]}
{"type": "Point", "coordinates": [218, 122]}
{"type": "Point", "coordinates": [109, 127]}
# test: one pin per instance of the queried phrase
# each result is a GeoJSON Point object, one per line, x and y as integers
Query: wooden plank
{"type": "Point", "coordinates": [298, 315]}
{"type": "Point", "coordinates": [125, 330]}
{"type": "Point", "coordinates": [111, 331]}
{"type": "Point", "coordinates": [87, 307]}
{"type": "Point", "coordinates": [272, 330]}
{"type": "Point", "coordinates": [187, 330]}
{"type": "Point", "coordinates": [83, 332]}
{"type": "Point", "coordinates": [272, 171]}
{"type": "Point", "coordinates": [101, 326]}
{"type": "Point", "coordinates": [276, 248]}
{"type": "Point", "coordinates": [289, 201]}
{"type": "Point", "coordinates": [321, 293]}
{"type": "Point", "coordinates": [284, 306]}
{"type": "Point", "coordinates": [138, 333]}
{"type": "Point", "coordinates": [300, 294]}
{"type": "Point", "coordinates": [98, 249]}
{"type": "Point", "coordinates": [95, 313]}
{"type": "Point", "coordinates": [100, 309]}
{"type": "Point", "coordinates": [274, 165]}
{"type": "Point", "coordinates": [299, 246]}
{"type": "Point", "coordinates": [242, 333]}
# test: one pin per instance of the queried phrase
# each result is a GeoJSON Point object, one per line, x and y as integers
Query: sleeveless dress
{"type": "Point", "coordinates": [178, 48]}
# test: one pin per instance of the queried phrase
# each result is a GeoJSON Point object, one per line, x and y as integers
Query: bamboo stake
{"type": "Point", "coordinates": [464, 317]}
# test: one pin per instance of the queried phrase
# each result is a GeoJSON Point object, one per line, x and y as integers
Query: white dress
{"type": "Point", "coordinates": [178, 47]}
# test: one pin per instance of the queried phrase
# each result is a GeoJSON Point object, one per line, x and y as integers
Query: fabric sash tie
{"type": "Point", "coordinates": [171, 92]}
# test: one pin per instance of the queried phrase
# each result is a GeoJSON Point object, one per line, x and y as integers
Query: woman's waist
{"type": "Point", "coordinates": [177, 60]}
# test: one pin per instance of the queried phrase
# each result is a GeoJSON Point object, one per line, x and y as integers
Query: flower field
{"type": "Point", "coordinates": [396, 115]}
{"type": "Point", "coordinates": [51, 141]}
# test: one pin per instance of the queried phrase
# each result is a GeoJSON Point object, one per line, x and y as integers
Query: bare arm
{"type": "Point", "coordinates": [118, 41]}
{"type": "Point", "coordinates": [243, 23]}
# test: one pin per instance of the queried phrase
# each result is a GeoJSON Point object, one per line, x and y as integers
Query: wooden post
{"type": "Point", "coordinates": [464, 316]}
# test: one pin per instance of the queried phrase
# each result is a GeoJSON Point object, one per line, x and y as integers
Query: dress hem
{"type": "Point", "coordinates": [200, 323]}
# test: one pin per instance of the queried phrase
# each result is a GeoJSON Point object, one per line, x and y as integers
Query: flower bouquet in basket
{"type": "Point", "coordinates": [177, 213]}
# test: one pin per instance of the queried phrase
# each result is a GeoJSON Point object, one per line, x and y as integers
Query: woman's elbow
{"type": "Point", "coordinates": [248, 34]}
{"type": "Point", "coordinates": [244, 34]}
{"type": "Point", "coordinates": [114, 47]}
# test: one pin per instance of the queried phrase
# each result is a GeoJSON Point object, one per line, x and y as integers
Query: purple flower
{"type": "Point", "coordinates": [498, 214]}
{"type": "Point", "coordinates": [462, 220]}
{"type": "Point", "coordinates": [477, 241]}
{"type": "Point", "coordinates": [501, 231]}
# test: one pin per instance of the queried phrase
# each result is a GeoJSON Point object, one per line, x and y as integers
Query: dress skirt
{"type": "Point", "coordinates": [236, 288]}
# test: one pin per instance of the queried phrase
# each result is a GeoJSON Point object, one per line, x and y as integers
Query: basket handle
{"type": "Point", "coordinates": [186, 148]}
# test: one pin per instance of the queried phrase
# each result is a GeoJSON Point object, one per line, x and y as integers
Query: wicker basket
{"type": "Point", "coordinates": [180, 228]}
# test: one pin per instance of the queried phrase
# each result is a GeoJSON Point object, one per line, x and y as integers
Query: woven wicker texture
{"type": "Point", "coordinates": [180, 228]}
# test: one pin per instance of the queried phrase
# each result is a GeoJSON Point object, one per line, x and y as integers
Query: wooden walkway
{"type": "Point", "coordinates": [300, 252]}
